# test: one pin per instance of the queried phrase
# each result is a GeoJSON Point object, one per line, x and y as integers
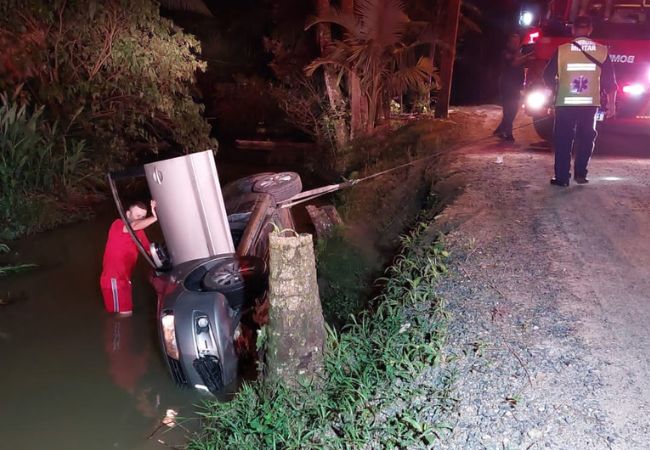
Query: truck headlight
{"type": "Point", "coordinates": [526, 18]}
{"type": "Point", "coordinates": [635, 90]}
{"type": "Point", "coordinates": [537, 100]}
{"type": "Point", "coordinates": [169, 336]}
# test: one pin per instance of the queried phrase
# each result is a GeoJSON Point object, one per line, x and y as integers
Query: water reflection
{"type": "Point", "coordinates": [71, 375]}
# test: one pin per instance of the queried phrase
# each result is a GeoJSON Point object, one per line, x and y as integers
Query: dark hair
{"type": "Point", "coordinates": [139, 204]}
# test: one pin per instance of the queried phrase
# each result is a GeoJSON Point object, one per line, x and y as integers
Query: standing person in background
{"type": "Point", "coordinates": [511, 83]}
{"type": "Point", "coordinates": [120, 257]}
{"type": "Point", "coordinates": [579, 70]}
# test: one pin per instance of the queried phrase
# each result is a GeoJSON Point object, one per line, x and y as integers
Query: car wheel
{"type": "Point", "coordinates": [240, 279]}
{"type": "Point", "coordinates": [281, 186]}
{"type": "Point", "coordinates": [244, 185]}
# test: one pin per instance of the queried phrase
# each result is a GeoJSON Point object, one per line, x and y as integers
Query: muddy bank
{"type": "Point", "coordinates": [378, 211]}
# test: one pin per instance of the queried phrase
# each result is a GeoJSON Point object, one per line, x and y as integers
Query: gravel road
{"type": "Point", "coordinates": [550, 302]}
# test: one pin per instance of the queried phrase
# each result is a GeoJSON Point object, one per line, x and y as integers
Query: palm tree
{"type": "Point", "coordinates": [375, 51]}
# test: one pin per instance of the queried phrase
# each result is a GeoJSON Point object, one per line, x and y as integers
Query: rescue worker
{"type": "Point", "coordinates": [120, 257]}
{"type": "Point", "coordinates": [511, 81]}
{"type": "Point", "coordinates": [579, 70]}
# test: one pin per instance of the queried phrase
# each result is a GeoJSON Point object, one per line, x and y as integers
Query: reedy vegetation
{"type": "Point", "coordinates": [36, 161]}
{"type": "Point", "coordinates": [375, 392]}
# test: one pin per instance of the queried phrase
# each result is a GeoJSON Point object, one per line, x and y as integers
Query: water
{"type": "Point", "coordinates": [71, 375]}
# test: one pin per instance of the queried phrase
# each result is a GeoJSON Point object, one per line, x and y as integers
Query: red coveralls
{"type": "Point", "coordinates": [120, 257]}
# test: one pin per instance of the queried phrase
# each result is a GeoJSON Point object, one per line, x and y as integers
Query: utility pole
{"type": "Point", "coordinates": [448, 56]}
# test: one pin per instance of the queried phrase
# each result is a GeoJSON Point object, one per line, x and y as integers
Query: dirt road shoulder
{"type": "Point", "coordinates": [549, 302]}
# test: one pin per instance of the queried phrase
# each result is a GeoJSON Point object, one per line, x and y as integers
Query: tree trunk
{"type": "Point", "coordinates": [448, 57]}
{"type": "Point", "coordinates": [334, 94]}
{"type": "Point", "coordinates": [358, 106]}
{"type": "Point", "coordinates": [296, 329]}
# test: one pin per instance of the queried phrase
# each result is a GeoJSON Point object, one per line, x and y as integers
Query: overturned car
{"type": "Point", "coordinates": [210, 275]}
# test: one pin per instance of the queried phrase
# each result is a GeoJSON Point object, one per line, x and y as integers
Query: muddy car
{"type": "Point", "coordinates": [211, 272]}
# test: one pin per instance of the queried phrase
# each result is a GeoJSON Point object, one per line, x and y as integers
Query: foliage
{"type": "Point", "coordinates": [303, 100]}
{"type": "Point", "coordinates": [244, 108]}
{"type": "Point", "coordinates": [36, 160]}
{"type": "Point", "coordinates": [126, 72]}
{"type": "Point", "coordinates": [378, 388]}
{"type": "Point", "coordinates": [343, 273]}
{"type": "Point", "coordinates": [374, 49]}
{"type": "Point", "coordinates": [308, 109]}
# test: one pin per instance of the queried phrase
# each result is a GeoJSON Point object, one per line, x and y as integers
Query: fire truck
{"type": "Point", "coordinates": [624, 26]}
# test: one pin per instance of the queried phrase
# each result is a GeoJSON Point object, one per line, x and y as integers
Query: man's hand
{"type": "Point", "coordinates": [610, 112]}
{"type": "Point", "coordinates": [153, 209]}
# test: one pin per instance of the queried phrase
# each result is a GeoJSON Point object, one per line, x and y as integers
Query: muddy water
{"type": "Point", "coordinates": [71, 375]}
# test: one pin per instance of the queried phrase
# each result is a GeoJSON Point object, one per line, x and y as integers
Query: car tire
{"type": "Point", "coordinates": [544, 126]}
{"type": "Point", "coordinates": [244, 185]}
{"type": "Point", "coordinates": [281, 186]}
{"type": "Point", "coordinates": [240, 279]}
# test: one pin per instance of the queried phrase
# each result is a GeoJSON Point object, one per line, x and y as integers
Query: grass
{"type": "Point", "coordinates": [345, 278]}
{"type": "Point", "coordinates": [380, 388]}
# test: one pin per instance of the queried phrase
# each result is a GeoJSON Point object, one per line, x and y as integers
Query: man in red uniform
{"type": "Point", "coordinates": [120, 257]}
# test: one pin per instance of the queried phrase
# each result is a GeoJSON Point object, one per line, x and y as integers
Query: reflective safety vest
{"type": "Point", "coordinates": [579, 77]}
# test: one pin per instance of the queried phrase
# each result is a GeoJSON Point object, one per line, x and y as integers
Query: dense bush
{"type": "Point", "coordinates": [93, 85]}
{"type": "Point", "coordinates": [127, 71]}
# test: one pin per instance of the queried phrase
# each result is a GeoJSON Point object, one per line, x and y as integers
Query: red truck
{"type": "Point", "coordinates": [624, 26]}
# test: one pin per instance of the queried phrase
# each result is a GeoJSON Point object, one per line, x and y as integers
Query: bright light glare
{"type": "Point", "coordinates": [532, 37]}
{"type": "Point", "coordinates": [526, 18]}
{"type": "Point", "coordinates": [536, 100]}
{"type": "Point", "coordinates": [612, 178]}
{"type": "Point", "coordinates": [634, 89]}
{"type": "Point", "coordinates": [169, 336]}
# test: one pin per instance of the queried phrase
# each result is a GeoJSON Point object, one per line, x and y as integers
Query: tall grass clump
{"type": "Point", "coordinates": [380, 387]}
{"type": "Point", "coordinates": [38, 163]}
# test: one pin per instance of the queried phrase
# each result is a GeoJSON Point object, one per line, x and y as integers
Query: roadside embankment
{"type": "Point", "coordinates": [382, 385]}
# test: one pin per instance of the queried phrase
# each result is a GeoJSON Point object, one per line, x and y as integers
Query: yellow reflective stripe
{"type": "Point", "coordinates": [581, 67]}
{"type": "Point", "coordinates": [578, 100]}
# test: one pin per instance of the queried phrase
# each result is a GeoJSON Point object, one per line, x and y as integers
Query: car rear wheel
{"type": "Point", "coordinates": [281, 186]}
{"type": "Point", "coordinates": [239, 279]}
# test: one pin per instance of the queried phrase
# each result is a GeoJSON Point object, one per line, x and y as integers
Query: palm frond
{"type": "Point", "coordinates": [414, 77]}
{"type": "Point", "coordinates": [324, 61]}
{"type": "Point", "coordinates": [469, 24]}
{"type": "Point", "coordinates": [382, 22]}
{"type": "Point", "coordinates": [347, 21]}
{"type": "Point", "coordinates": [195, 6]}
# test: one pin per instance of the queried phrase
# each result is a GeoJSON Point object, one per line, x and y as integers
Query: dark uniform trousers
{"type": "Point", "coordinates": [510, 102]}
{"type": "Point", "coordinates": [573, 123]}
